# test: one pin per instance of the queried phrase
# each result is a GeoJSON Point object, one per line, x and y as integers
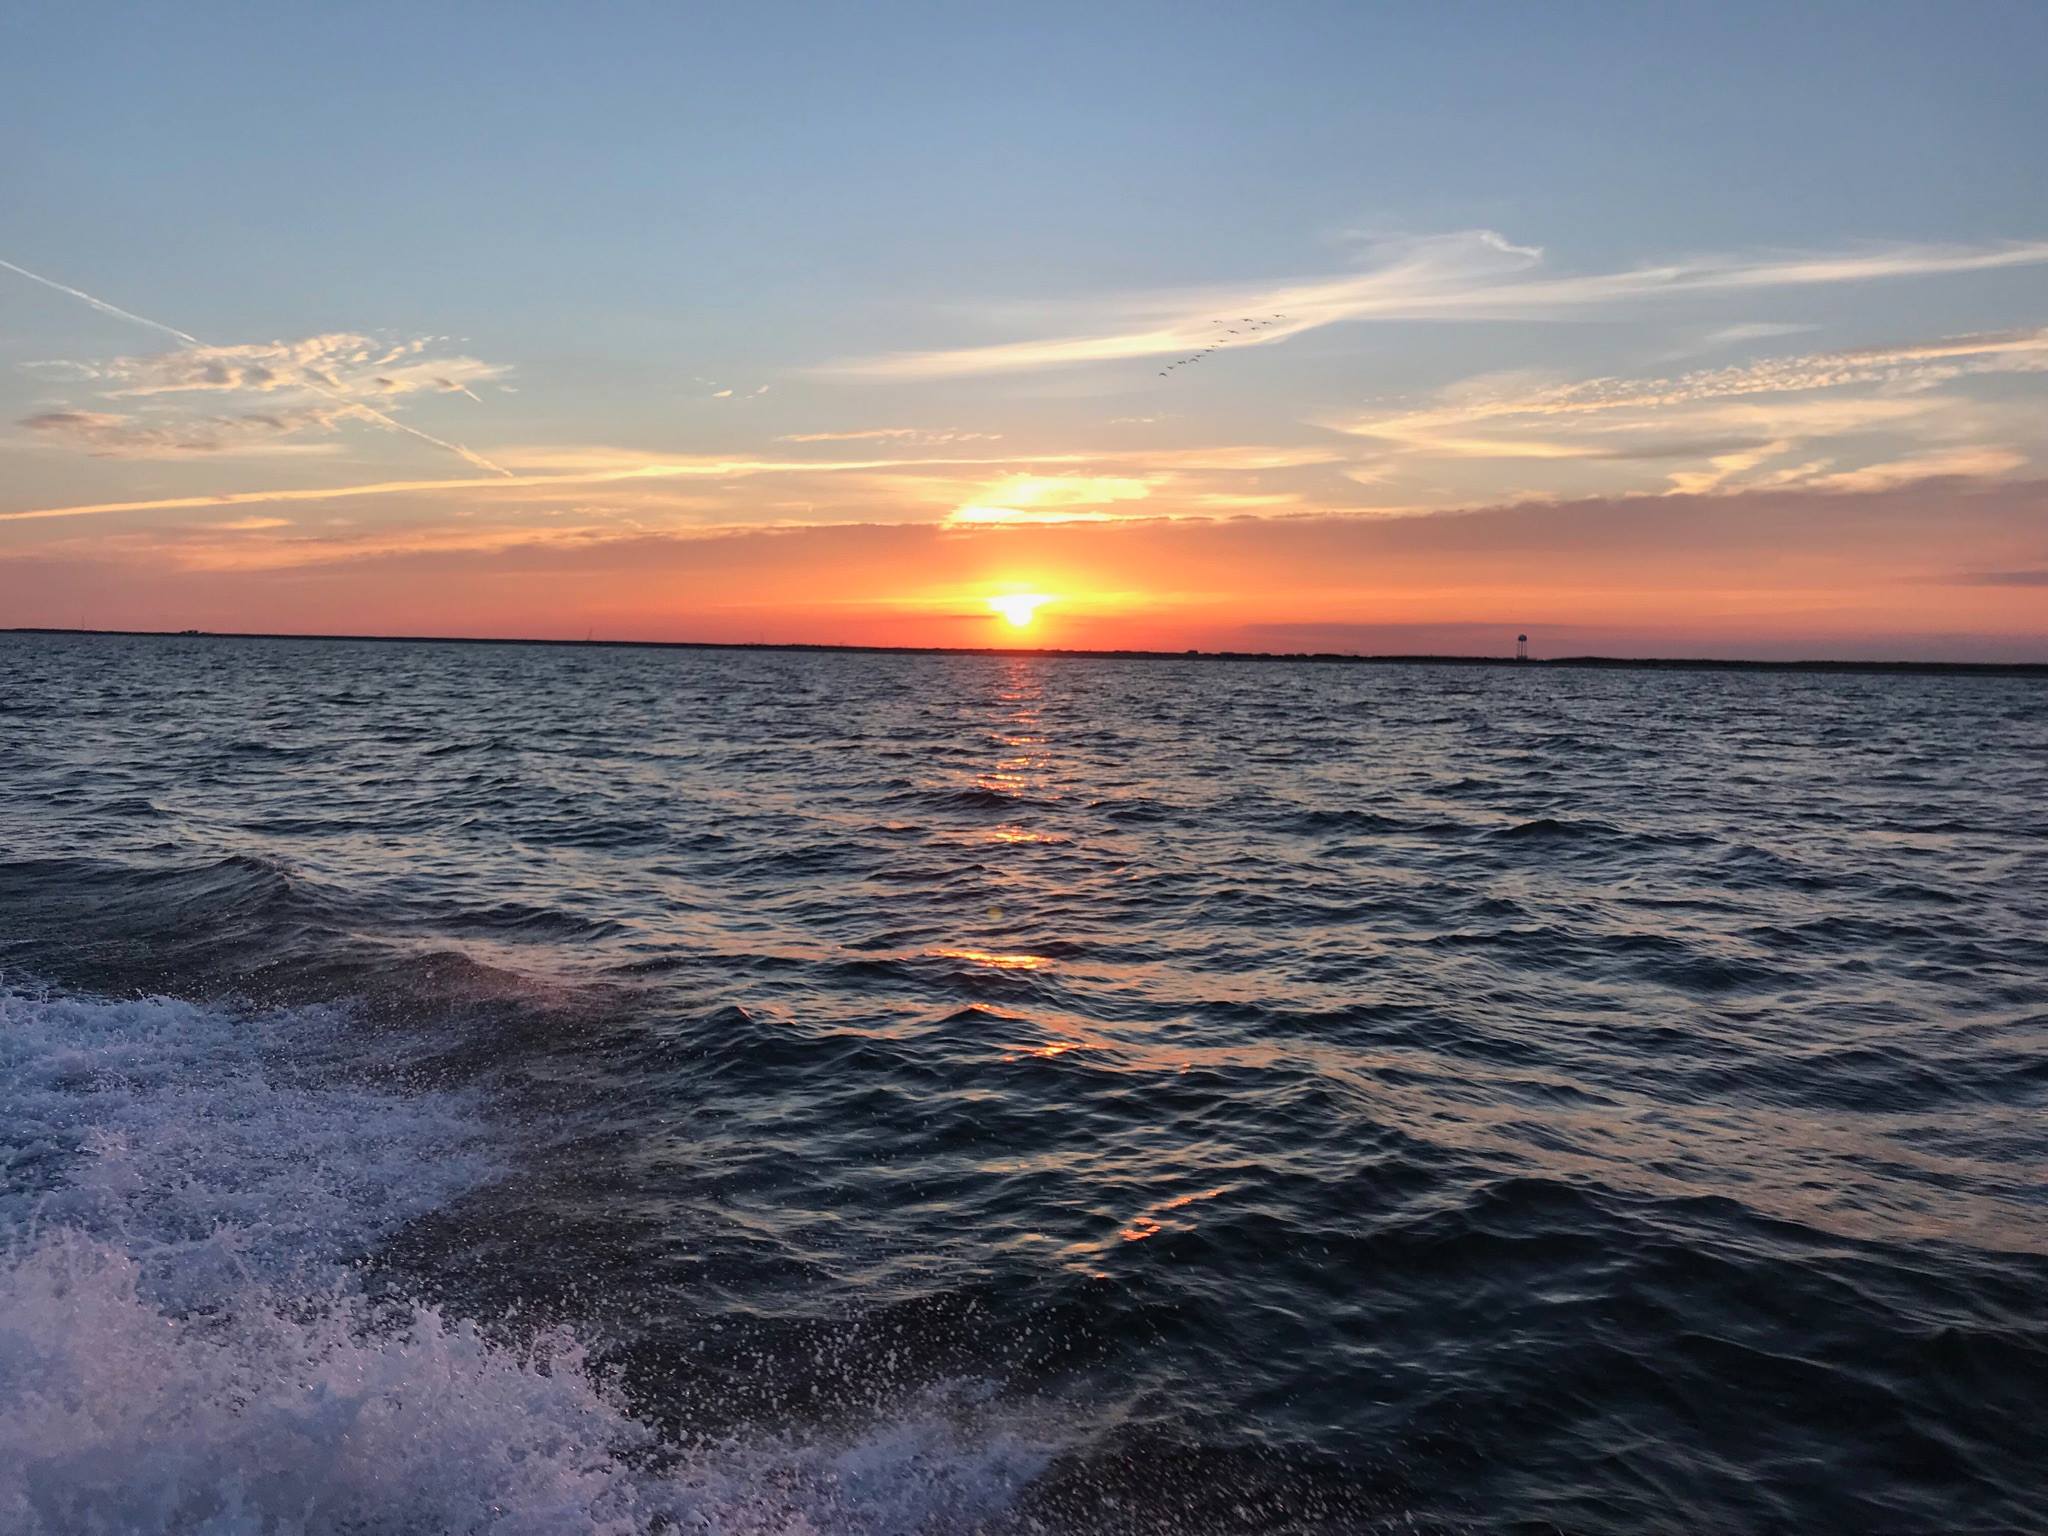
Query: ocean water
{"type": "Point", "coordinates": [531, 1089]}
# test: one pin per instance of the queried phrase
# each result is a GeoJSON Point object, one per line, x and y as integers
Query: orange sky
{"type": "Point", "coordinates": [1929, 569]}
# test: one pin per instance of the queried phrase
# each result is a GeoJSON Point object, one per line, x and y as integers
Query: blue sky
{"type": "Point", "coordinates": [1500, 233]}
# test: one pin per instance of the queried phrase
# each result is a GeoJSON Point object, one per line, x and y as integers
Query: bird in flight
{"type": "Point", "coordinates": [1250, 327]}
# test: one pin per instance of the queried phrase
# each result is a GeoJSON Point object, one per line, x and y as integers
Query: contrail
{"type": "Point", "coordinates": [186, 338]}
{"type": "Point", "coordinates": [714, 469]}
{"type": "Point", "coordinates": [426, 437]}
{"type": "Point", "coordinates": [103, 306]}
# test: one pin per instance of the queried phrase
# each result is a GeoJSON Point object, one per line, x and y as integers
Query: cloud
{"type": "Point", "coordinates": [1754, 330]}
{"type": "Point", "coordinates": [1734, 419]}
{"type": "Point", "coordinates": [339, 367]}
{"type": "Point", "coordinates": [1226, 456]}
{"type": "Point", "coordinates": [1050, 499]}
{"type": "Point", "coordinates": [1242, 501]}
{"type": "Point", "coordinates": [1473, 275]}
{"type": "Point", "coordinates": [246, 548]}
{"type": "Point", "coordinates": [549, 469]}
{"type": "Point", "coordinates": [116, 435]}
{"type": "Point", "coordinates": [311, 386]}
{"type": "Point", "coordinates": [1039, 499]}
{"type": "Point", "coordinates": [1911, 365]}
{"type": "Point", "coordinates": [920, 435]}
{"type": "Point", "coordinates": [590, 467]}
{"type": "Point", "coordinates": [1951, 463]}
{"type": "Point", "coordinates": [343, 363]}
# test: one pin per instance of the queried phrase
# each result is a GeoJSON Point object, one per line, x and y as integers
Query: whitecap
{"type": "Point", "coordinates": [186, 1345]}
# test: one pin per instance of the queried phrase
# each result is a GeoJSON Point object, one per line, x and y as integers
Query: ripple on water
{"type": "Point", "coordinates": [525, 1089]}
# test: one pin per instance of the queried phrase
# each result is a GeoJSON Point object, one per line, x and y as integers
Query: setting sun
{"type": "Point", "coordinates": [1018, 609]}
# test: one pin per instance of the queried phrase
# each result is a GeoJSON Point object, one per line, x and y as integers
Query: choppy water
{"type": "Point", "coordinates": [532, 1090]}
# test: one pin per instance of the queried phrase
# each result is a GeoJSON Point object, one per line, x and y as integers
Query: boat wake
{"type": "Point", "coordinates": [190, 1342]}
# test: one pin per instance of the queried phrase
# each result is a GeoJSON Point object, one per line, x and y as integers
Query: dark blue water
{"type": "Point", "coordinates": [533, 1089]}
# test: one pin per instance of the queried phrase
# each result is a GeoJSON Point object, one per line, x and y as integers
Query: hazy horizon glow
{"type": "Point", "coordinates": [793, 327]}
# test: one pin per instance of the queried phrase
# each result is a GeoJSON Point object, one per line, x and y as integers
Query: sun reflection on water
{"type": "Point", "coordinates": [1158, 1217]}
{"type": "Point", "coordinates": [994, 961]}
{"type": "Point", "coordinates": [1020, 835]}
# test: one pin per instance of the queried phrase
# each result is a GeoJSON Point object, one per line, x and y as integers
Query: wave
{"type": "Point", "coordinates": [189, 1341]}
{"type": "Point", "coordinates": [978, 797]}
{"type": "Point", "coordinates": [1328, 821]}
{"type": "Point", "coordinates": [305, 1413]}
{"type": "Point", "coordinates": [209, 1144]}
{"type": "Point", "coordinates": [1552, 829]}
{"type": "Point", "coordinates": [167, 899]}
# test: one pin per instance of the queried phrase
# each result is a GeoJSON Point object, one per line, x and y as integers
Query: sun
{"type": "Point", "coordinates": [1018, 609]}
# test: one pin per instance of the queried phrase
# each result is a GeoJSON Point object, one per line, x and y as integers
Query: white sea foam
{"type": "Point", "coordinates": [184, 1346]}
{"type": "Point", "coordinates": [209, 1144]}
{"type": "Point", "coordinates": [292, 1412]}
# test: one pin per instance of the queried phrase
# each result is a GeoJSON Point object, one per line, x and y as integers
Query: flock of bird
{"type": "Point", "coordinates": [1250, 327]}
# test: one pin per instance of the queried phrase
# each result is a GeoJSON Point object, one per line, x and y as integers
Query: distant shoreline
{"type": "Point", "coordinates": [1329, 658]}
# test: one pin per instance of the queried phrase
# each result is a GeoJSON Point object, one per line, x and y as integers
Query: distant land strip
{"type": "Point", "coordinates": [1331, 658]}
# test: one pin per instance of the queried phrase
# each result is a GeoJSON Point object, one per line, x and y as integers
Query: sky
{"type": "Point", "coordinates": [1659, 330]}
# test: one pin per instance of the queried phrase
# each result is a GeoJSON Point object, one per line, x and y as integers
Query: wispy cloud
{"type": "Point", "coordinates": [1737, 335]}
{"type": "Point", "coordinates": [720, 391]}
{"type": "Point", "coordinates": [255, 544]}
{"type": "Point", "coordinates": [1228, 456]}
{"type": "Point", "coordinates": [551, 469]}
{"type": "Point", "coordinates": [1943, 464]}
{"type": "Point", "coordinates": [358, 367]}
{"type": "Point", "coordinates": [1473, 275]}
{"type": "Point", "coordinates": [592, 467]}
{"type": "Point", "coordinates": [119, 435]}
{"type": "Point", "coordinates": [1051, 499]}
{"type": "Point", "coordinates": [343, 369]}
{"type": "Point", "coordinates": [919, 435]}
{"type": "Point", "coordinates": [1734, 419]}
{"type": "Point", "coordinates": [1912, 365]}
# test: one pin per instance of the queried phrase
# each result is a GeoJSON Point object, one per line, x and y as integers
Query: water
{"type": "Point", "coordinates": [531, 1089]}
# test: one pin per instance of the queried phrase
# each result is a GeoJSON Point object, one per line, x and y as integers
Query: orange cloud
{"type": "Point", "coordinates": [1050, 499]}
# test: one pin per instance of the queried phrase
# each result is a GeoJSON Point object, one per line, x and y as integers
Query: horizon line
{"type": "Point", "coordinates": [1418, 658]}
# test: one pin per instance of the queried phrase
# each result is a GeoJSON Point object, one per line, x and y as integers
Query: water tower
{"type": "Point", "coordinates": [1521, 647]}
